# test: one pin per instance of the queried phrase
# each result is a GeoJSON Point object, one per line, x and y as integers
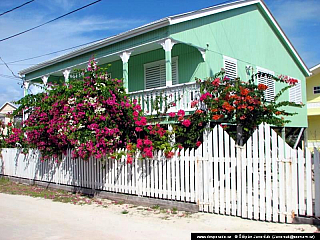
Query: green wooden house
{"type": "Point", "coordinates": [165, 56]}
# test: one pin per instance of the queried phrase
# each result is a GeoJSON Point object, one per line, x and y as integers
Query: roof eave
{"type": "Point", "coordinates": [103, 43]}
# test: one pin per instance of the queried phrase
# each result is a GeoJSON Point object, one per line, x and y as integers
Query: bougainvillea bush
{"type": "Point", "coordinates": [232, 102]}
{"type": "Point", "coordinates": [94, 116]}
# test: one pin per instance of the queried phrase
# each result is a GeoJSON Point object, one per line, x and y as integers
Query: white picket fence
{"type": "Point", "coordinates": [264, 180]}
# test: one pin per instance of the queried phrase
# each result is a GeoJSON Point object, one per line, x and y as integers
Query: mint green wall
{"type": "Point", "coordinates": [190, 65]}
{"type": "Point", "coordinates": [190, 62]}
{"type": "Point", "coordinates": [189, 59]}
{"type": "Point", "coordinates": [115, 69]}
{"type": "Point", "coordinates": [246, 35]}
{"type": "Point", "coordinates": [136, 68]}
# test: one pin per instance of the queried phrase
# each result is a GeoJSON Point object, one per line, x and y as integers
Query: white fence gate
{"type": "Point", "coordinates": [264, 180]}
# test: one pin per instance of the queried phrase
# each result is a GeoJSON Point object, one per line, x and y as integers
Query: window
{"type": "Point", "coordinates": [18, 121]}
{"type": "Point", "coordinates": [230, 66]}
{"type": "Point", "coordinates": [295, 93]}
{"type": "Point", "coordinates": [268, 81]}
{"type": "Point", "coordinates": [316, 90]}
{"type": "Point", "coordinates": [155, 73]}
{"type": "Point", "coordinates": [2, 119]}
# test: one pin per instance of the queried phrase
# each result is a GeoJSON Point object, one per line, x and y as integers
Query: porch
{"type": "Point", "coordinates": [167, 99]}
{"type": "Point", "coordinates": [161, 70]}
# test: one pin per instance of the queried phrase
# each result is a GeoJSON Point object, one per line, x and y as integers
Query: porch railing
{"type": "Point", "coordinates": [173, 98]}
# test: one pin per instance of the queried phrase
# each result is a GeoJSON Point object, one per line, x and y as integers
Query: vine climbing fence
{"type": "Point", "coordinates": [265, 179]}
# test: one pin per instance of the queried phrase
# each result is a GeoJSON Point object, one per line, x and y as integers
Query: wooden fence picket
{"type": "Point", "coordinates": [268, 172]}
{"type": "Point", "coordinates": [221, 170]}
{"type": "Point", "coordinates": [215, 169]}
{"type": "Point", "coordinates": [228, 171]}
{"type": "Point", "coordinates": [275, 185]}
{"type": "Point", "coordinates": [264, 180]}
{"type": "Point", "coordinates": [249, 157]}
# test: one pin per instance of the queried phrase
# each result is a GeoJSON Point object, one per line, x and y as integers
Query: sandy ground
{"type": "Point", "coordinates": [23, 217]}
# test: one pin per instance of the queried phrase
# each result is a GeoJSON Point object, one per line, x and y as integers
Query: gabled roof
{"type": "Point", "coordinates": [8, 103]}
{"type": "Point", "coordinates": [171, 20]}
{"type": "Point", "coordinates": [315, 70]}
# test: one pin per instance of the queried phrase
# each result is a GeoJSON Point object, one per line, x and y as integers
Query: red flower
{"type": "Point", "coordinates": [129, 159]}
{"type": "Point", "coordinates": [262, 87]}
{"type": "Point", "coordinates": [216, 117]}
{"type": "Point", "coordinates": [194, 103]}
{"type": "Point", "coordinates": [198, 143]}
{"type": "Point", "coordinates": [244, 91]}
{"type": "Point", "coordinates": [216, 82]}
{"type": "Point", "coordinates": [169, 154]}
{"type": "Point", "coordinates": [227, 106]}
{"type": "Point", "coordinates": [9, 124]}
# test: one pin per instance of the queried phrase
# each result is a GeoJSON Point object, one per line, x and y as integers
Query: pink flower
{"type": "Point", "coordinates": [147, 142]}
{"type": "Point", "coordinates": [205, 96]}
{"type": "Point", "coordinates": [181, 113]}
{"type": "Point", "coordinates": [172, 114]}
{"type": "Point", "coordinates": [186, 123]}
{"type": "Point", "coordinates": [135, 114]}
{"type": "Point", "coordinates": [139, 129]}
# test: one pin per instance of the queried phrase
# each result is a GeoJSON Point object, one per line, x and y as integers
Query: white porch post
{"type": "Point", "coordinates": [25, 88]}
{"type": "Point", "coordinates": [45, 79]}
{"type": "Point", "coordinates": [125, 68]}
{"type": "Point", "coordinates": [25, 93]}
{"type": "Point", "coordinates": [167, 45]}
{"type": "Point", "coordinates": [66, 74]}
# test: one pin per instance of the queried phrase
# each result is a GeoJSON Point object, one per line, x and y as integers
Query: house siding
{"type": "Point", "coordinates": [246, 35]}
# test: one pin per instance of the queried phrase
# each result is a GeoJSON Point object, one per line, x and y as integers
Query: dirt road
{"type": "Point", "coordinates": [23, 217]}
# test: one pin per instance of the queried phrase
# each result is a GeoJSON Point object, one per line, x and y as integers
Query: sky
{"type": "Point", "coordinates": [300, 20]}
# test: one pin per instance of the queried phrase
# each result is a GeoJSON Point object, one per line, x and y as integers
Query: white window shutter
{"type": "Point", "coordinates": [155, 73]}
{"type": "Point", "coordinates": [268, 81]}
{"type": "Point", "coordinates": [230, 67]}
{"type": "Point", "coordinates": [152, 75]}
{"type": "Point", "coordinates": [174, 65]}
{"type": "Point", "coordinates": [295, 93]}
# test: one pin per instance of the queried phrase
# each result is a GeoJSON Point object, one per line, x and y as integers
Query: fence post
{"type": "Point", "coordinates": [317, 182]}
